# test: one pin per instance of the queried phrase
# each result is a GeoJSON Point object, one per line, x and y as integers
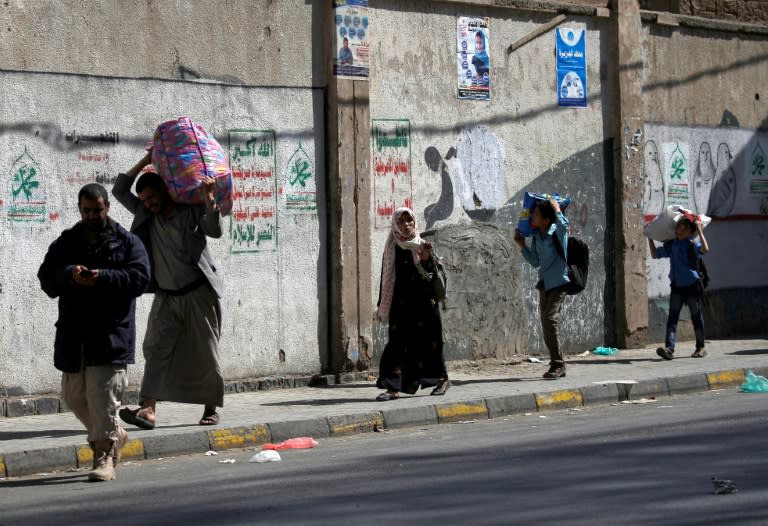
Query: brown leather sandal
{"type": "Point", "coordinates": [209, 419]}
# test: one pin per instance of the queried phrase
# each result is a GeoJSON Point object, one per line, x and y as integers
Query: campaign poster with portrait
{"type": "Point", "coordinates": [474, 63]}
{"type": "Point", "coordinates": [571, 46]}
{"type": "Point", "coordinates": [351, 39]}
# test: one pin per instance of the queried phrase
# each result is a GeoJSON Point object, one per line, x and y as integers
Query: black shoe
{"type": "Point", "coordinates": [555, 372]}
{"type": "Point", "coordinates": [442, 387]}
{"type": "Point", "coordinates": [387, 395]}
{"type": "Point", "coordinates": [665, 352]}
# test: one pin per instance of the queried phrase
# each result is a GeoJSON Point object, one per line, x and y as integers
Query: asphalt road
{"type": "Point", "coordinates": [613, 464]}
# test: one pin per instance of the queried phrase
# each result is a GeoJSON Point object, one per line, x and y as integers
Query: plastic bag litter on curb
{"type": "Point", "coordinates": [268, 455]}
{"type": "Point", "coordinates": [293, 443]}
{"type": "Point", "coordinates": [755, 383]}
{"type": "Point", "coordinates": [605, 351]}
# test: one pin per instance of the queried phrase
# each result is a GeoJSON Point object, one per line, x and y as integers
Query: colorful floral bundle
{"type": "Point", "coordinates": [184, 154]}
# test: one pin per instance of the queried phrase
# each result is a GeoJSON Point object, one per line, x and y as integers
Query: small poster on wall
{"type": "Point", "coordinates": [474, 64]}
{"type": "Point", "coordinates": [351, 39]}
{"type": "Point", "coordinates": [571, 48]}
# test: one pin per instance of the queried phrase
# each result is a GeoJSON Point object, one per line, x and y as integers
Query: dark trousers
{"type": "Point", "coordinates": [550, 303]}
{"type": "Point", "coordinates": [693, 297]}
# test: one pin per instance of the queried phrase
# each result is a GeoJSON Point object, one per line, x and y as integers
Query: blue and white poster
{"type": "Point", "coordinates": [472, 58]}
{"type": "Point", "coordinates": [571, 67]}
{"type": "Point", "coordinates": [351, 39]}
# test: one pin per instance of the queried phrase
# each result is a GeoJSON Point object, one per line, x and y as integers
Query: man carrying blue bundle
{"type": "Point", "coordinates": [549, 222]}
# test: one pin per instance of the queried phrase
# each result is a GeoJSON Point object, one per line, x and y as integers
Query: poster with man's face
{"type": "Point", "coordinates": [351, 39]}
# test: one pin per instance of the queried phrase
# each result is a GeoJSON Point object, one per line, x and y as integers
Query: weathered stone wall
{"type": "Point", "coordinates": [754, 11]}
{"type": "Point", "coordinates": [84, 84]}
{"type": "Point", "coordinates": [95, 68]}
{"type": "Point", "coordinates": [750, 11]}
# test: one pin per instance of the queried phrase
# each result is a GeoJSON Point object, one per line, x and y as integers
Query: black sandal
{"type": "Point", "coordinates": [442, 387]}
{"type": "Point", "coordinates": [386, 396]}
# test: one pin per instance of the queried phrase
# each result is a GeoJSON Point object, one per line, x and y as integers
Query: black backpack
{"type": "Point", "coordinates": [577, 260]}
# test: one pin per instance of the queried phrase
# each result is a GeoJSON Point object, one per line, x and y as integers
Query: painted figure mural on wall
{"type": "Point", "coordinates": [732, 183]}
{"type": "Point", "coordinates": [703, 178]}
{"type": "Point", "coordinates": [472, 178]}
{"type": "Point", "coordinates": [653, 199]}
{"type": "Point", "coordinates": [723, 194]}
{"type": "Point", "coordinates": [482, 158]}
{"type": "Point", "coordinates": [448, 208]}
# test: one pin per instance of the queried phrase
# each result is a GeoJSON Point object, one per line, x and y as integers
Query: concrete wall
{"type": "Point", "coordinates": [63, 126]}
{"type": "Point", "coordinates": [107, 73]}
{"type": "Point", "coordinates": [470, 163]}
{"type": "Point", "coordinates": [705, 148]}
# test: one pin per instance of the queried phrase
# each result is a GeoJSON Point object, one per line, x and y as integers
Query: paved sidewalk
{"type": "Point", "coordinates": [42, 443]}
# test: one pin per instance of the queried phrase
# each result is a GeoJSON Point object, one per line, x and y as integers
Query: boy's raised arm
{"type": "Point", "coordinates": [704, 245]}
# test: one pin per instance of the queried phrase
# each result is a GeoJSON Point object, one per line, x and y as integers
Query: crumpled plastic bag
{"type": "Point", "coordinates": [268, 455]}
{"type": "Point", "coordinates": [755, 383]}
{"type": "Point", "coordinates": [605, 351]}
{"type": "Point", "coordinates": [293, 443]}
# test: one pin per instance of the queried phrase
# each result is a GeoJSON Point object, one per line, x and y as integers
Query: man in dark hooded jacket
{"type": "Point", "coordinates": [96, 269]}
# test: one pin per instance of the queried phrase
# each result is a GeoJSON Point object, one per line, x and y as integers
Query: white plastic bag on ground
{"type": "Point", "coordinates": [268, 455]}
{"type": "Point", "coordinates": [663, 227]}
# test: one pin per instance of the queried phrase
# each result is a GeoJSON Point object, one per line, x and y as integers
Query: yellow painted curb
{"type": "Point", "coordinates": [84, 456]}
{"type": "Point", "coordinates": [133, 450]}
{"type": "Point", "coordinates": [235, 437]}
{"type": "Point", "coordinates": [354, 424]}
{"type": "Point", "coordinates": [2, 466]}
{"type": "Point", "coordinates": [461, 411]}
{"type": "Point", "coordinates": [725, 379]}
{"type": "Point", "coordinates": [559, 400]}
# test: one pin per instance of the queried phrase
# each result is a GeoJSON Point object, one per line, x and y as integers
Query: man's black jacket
{"type": "Point", "coordinates": [96, 325]}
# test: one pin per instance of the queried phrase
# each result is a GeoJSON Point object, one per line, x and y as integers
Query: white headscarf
{"type": "Point", "coordinates": [399, 238]}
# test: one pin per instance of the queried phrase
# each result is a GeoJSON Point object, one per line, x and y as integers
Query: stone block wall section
{"type": "Point", "coordinates": [755, 11]}
{"type": "Point", "coordinates": [751, 11]}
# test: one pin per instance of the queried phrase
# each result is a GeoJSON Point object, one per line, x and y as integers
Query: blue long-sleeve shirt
{"type": "Point", "coordinates": [542, 253]}
{"type": "Point", "coordinates": [680, 272]}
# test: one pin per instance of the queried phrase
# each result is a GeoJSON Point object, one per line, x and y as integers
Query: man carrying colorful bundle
{"type": "Point", "coordinates": [182, 338]}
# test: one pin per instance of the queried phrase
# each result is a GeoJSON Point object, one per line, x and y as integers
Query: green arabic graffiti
{"type": "Point", "coordinates": [758, 165]}
{"type": "Point", "coordinates": [678, 169]}
{"type": "Point", "coordinates": [301, 170]}
{"type": "Point", "coordinates": [24, 181]}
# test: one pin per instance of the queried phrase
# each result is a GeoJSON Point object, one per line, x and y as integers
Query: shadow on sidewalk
{"type": "Point", "coordinates": [20, 435]}
{"type": "Point", "coordinates": [628, 361]}
{"type": "Point", "coordinates": [317, 402]}
{"type": "Point", "coordinates": [47, 481]}
{"type": "Point", "coordinates": [749, 352]}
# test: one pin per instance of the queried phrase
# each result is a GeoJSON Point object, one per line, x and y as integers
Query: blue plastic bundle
{"type": "Point", "coordinates": [529, 203]}
{"type": "Point", "coordinates": [755, 383]}
{"type": "Point", "coordinates": [605, 351]}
